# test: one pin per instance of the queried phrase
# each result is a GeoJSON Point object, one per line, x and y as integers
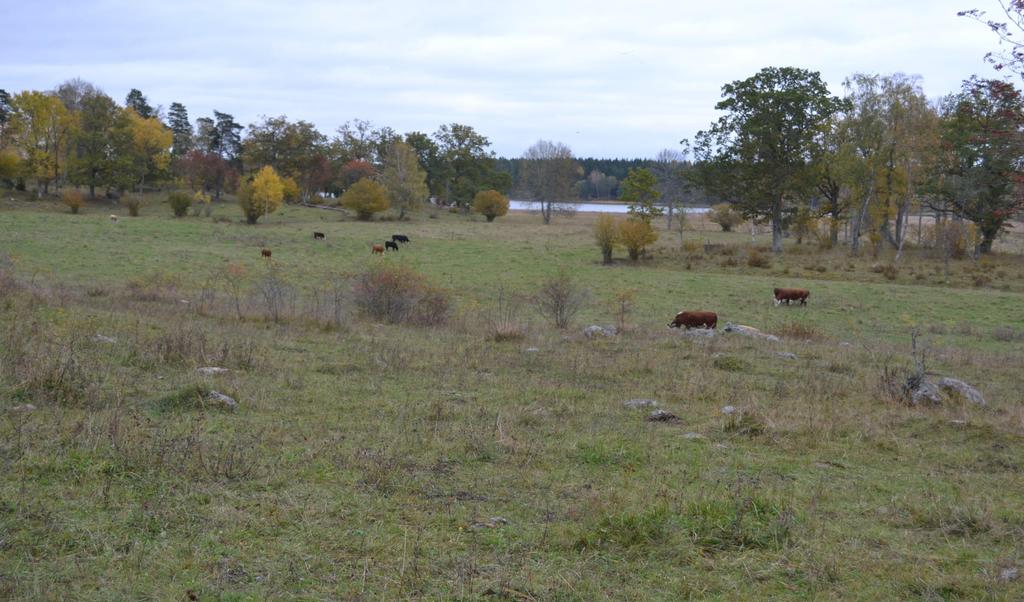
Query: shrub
{"type": "Point", "coordinates": [725, 216]}
{"type": "Point", "coordinates": [202, 203]}
{"type": "Point", "coordinates": [290, 190]}
{"type": "Point", "coordinates": [365, 198]}
{"type": "Point", "coordinates": [504, 322]}
{"type": "Point", "coordinates": [73, 199]}
{"type": "Point", "coordinates": [799, 331]}
{"type": "Point", "coordinates": [758, 260]}
{"type": "Point", "coordinates": [262, 195]}
{"type": "Point", "coordinates": [606, 233]}
{"type": "Point", "coordinates": [179, 202]}
{"type": "Point", "coordinates": [490, 204]}
{"type": "Point", "coordinates": [560, 298]}
{"type": "Point", "coordinates": [398, 295]}
{"type": "Point", "coordinates": [635, 235]}
{"type": "Point", "coordinates": [133, 204]}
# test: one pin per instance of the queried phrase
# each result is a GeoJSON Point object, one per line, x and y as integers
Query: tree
{"type": "Point", "coordinates": [293, 149]}
{"type": "Point", "coordinates": [640, 192]}
{"type": "Point", "coordinates": [6, 113]}
{"type": "Point", "coordinates": [150, 150]}
{"type": "Point", "coordinates": [41, 127]}
{"type": "Point", "coordinates": [548, 175]}
{"type": "Point", "coordinates": [405, 181]}
{"type": "Point", "coordinates": [353, 171]}
{"type": "Point", "coordinates": [262, 195]}
{"type": "Point", "coordinates": [218, 138]}
{"type": "Point", "coordinates": [668, 169]}
{"type": "Point", "coordinates": [636, 235]}
{"type": "Point", "coordinates": [365, 198]}
{"type": "Point", "coordinates": [206, 172]}
{"type": "Point", "coordinates": [757, 152]}
{"type": "Point", "coordinates": [490, 204]}
{"type": "Point", "coordinates": [606, 233]}
{"type": "Point", "coordinates": [181, 128]}
{"type": "Point", "coordinates": [1012, 55]}
{"type": "Point", "coordinates": [983, 139]}
{"type": "Point", "coordinates": [464, 166]}
{"type": "Point", "coordinates": [137, 102]}
{"type": "Point", "coordinates": [427, 154]}
{"type": "Point", "coordinates": [95, 159]}
{"type": "Point", "coordinates": [725, 216]}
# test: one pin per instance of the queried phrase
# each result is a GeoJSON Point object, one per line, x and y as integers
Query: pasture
{"type": "Point", "coordinates": [381, 461]}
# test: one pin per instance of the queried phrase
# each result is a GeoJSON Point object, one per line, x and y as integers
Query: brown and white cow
{"type": "Point", "coordinates": [695, 319]}
{"type": "Point", "coordinates": [791, 294]}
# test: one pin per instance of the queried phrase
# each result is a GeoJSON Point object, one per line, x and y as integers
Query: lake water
{"type": "Point", "coordinates": [591, 207]}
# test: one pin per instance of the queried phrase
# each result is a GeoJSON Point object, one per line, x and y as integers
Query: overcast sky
{"type": "Point", "coordinates": [609, 79]}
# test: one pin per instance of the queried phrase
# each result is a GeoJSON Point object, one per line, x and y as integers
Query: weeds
{"type": "Point", "coordinates": [560, 298]}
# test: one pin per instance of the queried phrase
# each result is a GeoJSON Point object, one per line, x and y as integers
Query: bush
{"type": "Point", "coordinates": [758, 260]}
{"type": "Point", "coordinates": [262, 195]}
{"type": "Point", "coordinates": [133, 204]}
{"type": "Point", "coordinates": [398, 295]}
{"type": "Point", "coordinates": [560, 299]}
{"type": "Point", "coordinates": [606, 233]}
{"type": "Point", "coordinates": [725, 216]}
{"type": "Point", "coordinates": [202, 203]}
{"type": "Point", "coordinates": [490, 204]}
{"type": "Point", "coordinates": [179, 202]}
{"type": "Point", "coordinates": [505, 324]}
{"type": "Point", "coordinates": [73, 199]}
{"type": "Point", "coordinates": [365, 198]}
{"type": "Point", "coordinates": [290, 190]}
{"type": "Point", "coordinates": [636, 235]}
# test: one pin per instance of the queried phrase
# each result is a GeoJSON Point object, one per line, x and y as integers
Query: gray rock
{"type": "Point", "coordinates": [662, 416]}
{"type": "Point", "coordinates": [594, 330]}
{"type": "Point", "coordinates": [845, 344]}
{"type": "Point", "coordinates": [25, 407]}
{"type": "Point", "coordinates": [635, 404]}
{"type": "Point", "coordinates": [490, 523]}
{"type": "Point", "coordinates": [532, 350]}
{"type": "Point", "coordinates": [749, 331]}
{"type": "Point", "coordinates": [927, 393]}
{"type": "Point", "coordinates": [217, 397]}
{"type": "Point", "coordinates": [727, 410]}
{"type": "Point", "coordinates": [1008, 574]}
{"type": "Point", "coordinates": [963, 389]}
{"type": "Point", "coordinates": [102, 338]}
{"type": "Point", "coordinates": [211, 370]}
{"type": "Point", "coordinates": [786, 354]}
{"type": "Point", "coordinates": [693, 436]}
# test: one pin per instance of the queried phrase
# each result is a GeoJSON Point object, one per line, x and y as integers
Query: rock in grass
{"type": "Point", "coordinates": [693, 436]}
{"type": "Point", "coordinates": [216, 397]}
{"type": "Point", "coordinates": [635, 404]}
{"type": "Point", "coordinates": [749, 331]}
{"type": "Point", "coordinates": [211, 370]}
{"type": "Point", "coordinates": [926, 394]}
{"type": "Point", "coordinates": [1008, 574]}
{"type": "Point", "coordinates": [963, 389]}
{"type": "Point", "coordinates": [594, 331]}
{"type": "Point", "coordinates": [662, 416]}
{"type": "Point", "coordinates": [25, 407]}
{"type": "Point", "coordinates": [102, 338]}
{"type": "Point", "coordinates": [727, 410]}
{"type": "Point", "coordinates": [787, 355]}
{"type": "Point", "coordinates": [490, 523]}
{"type": "Point", "coordinates": [697, 333]}
{"type": "Point", "coordinates": [532, 350]}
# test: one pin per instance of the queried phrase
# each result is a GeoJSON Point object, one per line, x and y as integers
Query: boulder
{"type": "Point", "coordinates": [727, 410]}
{"type": "Point", "coordinates": [785, 354]}
{"type": "Point", "coordinates": [749, 331]}
{"type": "Point", "coordinates": [102, 338]}
{"type": "Point", "coordinates": [211, 370]}
{"type": "Point", "coordinates": [662, 416]}
{"type": "Point", "coordinates": [25, 407]}
{"type": "Point", "coordinates": [697, 333]}
{"type": "Point", "coordinates": [594, 331]}
{"type": "Point", "coordinates": [218, 398]}
{"type": "Point", "coordinates": [963, 389]}
{"type": "Point", "coordinates": [926, 393]}
{"type": "Point", "coordinates": [635, 404]}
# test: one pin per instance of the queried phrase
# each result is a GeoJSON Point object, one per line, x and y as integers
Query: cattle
{"type": "Point", "coordinates": [390, 244]}
{"type": "Point", "coordinates": [113, 219]}
{"type": "Point", "coordinates": [791, 294]}
{"type": "Point", "coordinates": [400, 238]}
{"type": "Point", "coordinates": [377, 249]}
{"type": "Point", "coordinates": [265, 253]}
{"type": "Point", "coordinates": [695, 319]}
{"type": "Point", "coordinates": [318, 236]}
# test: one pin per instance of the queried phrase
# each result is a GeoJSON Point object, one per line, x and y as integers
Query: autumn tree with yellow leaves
{"type": "Point", "coordinates": [262, 195]}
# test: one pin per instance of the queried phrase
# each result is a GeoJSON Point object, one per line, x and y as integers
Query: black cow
{"type": "Point", "coordinates": [389, 244]}
{"type": "Point", "coordinates": [400, 238]}
{"type": "Point", "coordinates": [318, 236]}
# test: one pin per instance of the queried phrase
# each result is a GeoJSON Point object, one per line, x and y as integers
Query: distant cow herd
{"type": "Point", "coordinates": [375, 249]}
{"type": "Point", "coordinates": [709, 319]}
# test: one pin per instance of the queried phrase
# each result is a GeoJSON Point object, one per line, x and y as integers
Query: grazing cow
{"type": "Point", "coordinates": [318, 236]}
{"type": "Point", "coordinates": [695, 319]}
{"type": "Point", "coordinates": [791, 294]}
{"type": "Point", "coordinates": [265, 253]}
{"type": "Point", "coordinates": [113, 219]}
{"type": "Point", "coordinates": [377, 249]}
{"type": "Point", "coordinates": [400, 238]}
{"type": "Point", "coordinates": [390, 244]}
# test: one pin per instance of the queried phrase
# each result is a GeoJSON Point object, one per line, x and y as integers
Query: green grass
{"type": "Point", "coordinates": [368, 461]}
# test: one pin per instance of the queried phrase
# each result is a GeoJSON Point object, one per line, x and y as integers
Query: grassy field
{"type": "Point", "coordinates": [379, 461]}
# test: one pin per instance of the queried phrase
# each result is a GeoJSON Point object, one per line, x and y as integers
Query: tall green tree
{"type": "Point", "coordinates": [465, 165]}
{"type": "Point", "coordinates": [640, 192]}
{"type": "Point", "coordinates": [294, 149]}
{"type": "Point", "coordinates": [96, 153]}
{"type": "Point", "coordinates": [137, 102]}
{"type": "Point", "coordinates": [982, 133]}
{"type": "Point", "coordinates": [181, 129]}
{"type": "Point", "coordinates": [404, 179]}
{"type": "Point", "coordinates": [548, 176]}
{"type": "Point", "coordinates": [757, 153]}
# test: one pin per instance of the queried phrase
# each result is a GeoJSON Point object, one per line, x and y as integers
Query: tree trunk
{"type": "Point", "coordinates": [490, 218]}
{"type": "Point", "coordinates": [545, 211]}
{"type": "Point", "coordinates": [777, 226]}
{"type": "Point", "coordinates": [606, 255]}
{"type": "Point", "coordinates": [250, 218]}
